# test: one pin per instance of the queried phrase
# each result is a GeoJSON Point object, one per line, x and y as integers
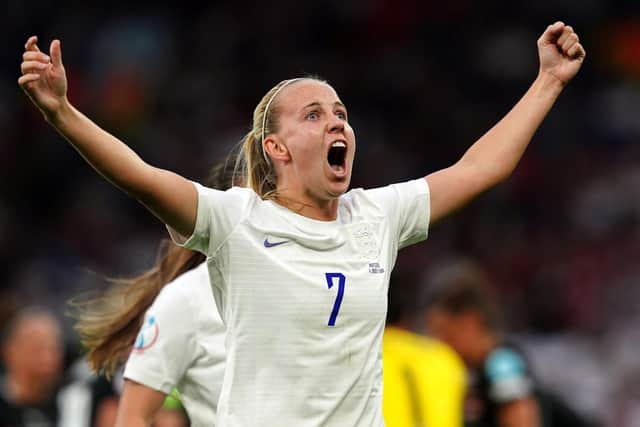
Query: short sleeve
{"type": "Point", "coordinates": [166, 344]}
{"type": "Point", "coordinates": [508, 376]}
{"type": "Point", "coordinates": [218, 213]}
{"type": "Point", "coordinates": [407, 207]}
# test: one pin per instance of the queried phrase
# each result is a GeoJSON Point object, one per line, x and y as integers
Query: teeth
{"type": "Point", "coordinates": [339, 144]}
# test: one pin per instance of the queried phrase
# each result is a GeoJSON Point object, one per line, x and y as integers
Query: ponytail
{"type": "Point", "coordinates": [258, 171]}
{"type": "Point", "coordinates": [108, 325]}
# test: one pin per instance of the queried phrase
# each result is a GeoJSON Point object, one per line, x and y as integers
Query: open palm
{"type": "Point", "coordinates": [43, 78]}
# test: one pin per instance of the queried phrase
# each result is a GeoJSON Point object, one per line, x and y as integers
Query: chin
{"type": "Point", "coordinates": [338, 190]}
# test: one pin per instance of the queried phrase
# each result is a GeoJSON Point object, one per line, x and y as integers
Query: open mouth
{"type": "Point", "coordinates": [337, 155]}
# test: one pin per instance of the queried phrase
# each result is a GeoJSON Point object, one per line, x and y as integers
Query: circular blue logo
{"type": "Point", "coordinates": [148, 334]}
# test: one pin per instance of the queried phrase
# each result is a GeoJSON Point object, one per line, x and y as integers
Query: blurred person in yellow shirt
{"type": "Point", "coordinates": [464, 311]}
{"type": "Point", "coordinates": [423, 378]}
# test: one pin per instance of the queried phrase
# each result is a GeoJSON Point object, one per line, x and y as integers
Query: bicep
{"type": "Point", "coordinates": [138, 404]}
{"type": "Point", "coordinates": [519, 413]}
{"type": "Point", "coordinates": [453, 187]}
{"type": "Point", "coordinates": [171, 198]}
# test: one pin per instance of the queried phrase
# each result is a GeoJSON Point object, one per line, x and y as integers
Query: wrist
{"type": "Point", "coordinates": [58, 117]}
{"type": "Point", "coordinates": [547, 84]}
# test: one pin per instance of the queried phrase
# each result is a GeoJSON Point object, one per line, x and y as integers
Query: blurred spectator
{"type": "Point", "coordinates": [424, 379]}
{"type": "Point", "coordinates": [32, 355]}
{"type": "Point", "coordinates": [91, 400]}
{"type": "Point", "coordinates": [503, 391]}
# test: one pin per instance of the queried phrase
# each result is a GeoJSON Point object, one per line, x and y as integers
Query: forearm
{"type": "Point", "coordinates": [495, 155]}
{"type": "Point", "coordinates": [168, 196]}
{"type": "Point", "coordinates": [109, 156]}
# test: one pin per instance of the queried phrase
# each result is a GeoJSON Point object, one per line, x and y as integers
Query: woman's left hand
{"type": "Point", "coordinates": [560, 51]}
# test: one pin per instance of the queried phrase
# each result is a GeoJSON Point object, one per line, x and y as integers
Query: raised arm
{"type": "Point", "coordinates": [170, 197]}
{"type": "Point", "coordinates": [495, 155]}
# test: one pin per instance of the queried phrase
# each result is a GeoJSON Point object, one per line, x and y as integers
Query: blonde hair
{"type": "Point", "coordinates": [108, 324]}
{"type": "Point", "coordinates": [253, 161]}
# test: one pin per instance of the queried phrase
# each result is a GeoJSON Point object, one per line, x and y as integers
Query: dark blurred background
{"type": "Point", "coordinates": [422, 81]}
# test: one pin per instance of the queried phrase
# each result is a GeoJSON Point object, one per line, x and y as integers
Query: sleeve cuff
{"type": "Point", "coordinates": [149, 380]}
{"type": "Point", "coordinates": [191, 242]}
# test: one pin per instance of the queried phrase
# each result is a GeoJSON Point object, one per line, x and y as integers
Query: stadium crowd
{"type": "Point", "coordinates": [561, 239]}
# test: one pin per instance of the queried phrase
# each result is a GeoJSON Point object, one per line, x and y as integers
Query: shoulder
{"type": "Point", "coordinates": [192, 281]}
{"type": "Point", "coordinates": [439, 356]}
{"type": "Point", "coordinates": [441, 352]}
{"type": "Point", "coordinates": [507, 375]}
{"type": "Point", "coordinates": [380, 197]}
{"type": "Point", "coordinates": [239, 193]}
{"type": "Point", "coordinates": [235, 197]}
{"type": "Point", "coordinates": [430, 350]}
{"type": "Point", "coordinates": [186, 292]}
{"type": "Point", "coordinates": [359, 201]}
{"type": "Point", "coordinates": [505, 362]}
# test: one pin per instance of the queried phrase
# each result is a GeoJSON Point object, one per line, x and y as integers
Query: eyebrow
{"type": "Point", "coordinates": [317, 104]}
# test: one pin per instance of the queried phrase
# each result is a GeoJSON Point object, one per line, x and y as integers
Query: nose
{"type": "Point", "coordinates": [336, 125]}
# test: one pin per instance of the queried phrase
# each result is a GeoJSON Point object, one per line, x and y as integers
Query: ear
{"type": "Point", "coordinates": [276, 149]}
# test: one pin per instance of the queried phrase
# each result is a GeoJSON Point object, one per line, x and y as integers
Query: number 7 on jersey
{"type": "Point", "coordinates": [336, 304]}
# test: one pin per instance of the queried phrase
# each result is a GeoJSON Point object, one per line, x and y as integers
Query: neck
{"type": "Point", "coordinates": [308, 206]}
{"type": "Point", "coordinates": [25, 392]}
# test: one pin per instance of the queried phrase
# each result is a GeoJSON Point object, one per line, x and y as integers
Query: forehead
{"type": "Point", "coordinates": [36, 325]}
{"type": "Point", "coordinates": [300, 94]}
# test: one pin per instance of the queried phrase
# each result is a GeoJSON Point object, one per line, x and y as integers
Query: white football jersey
{"type": "Point", "coordinates": [181, 345]}
{"type": "Point", "coordinates": [305, 301]}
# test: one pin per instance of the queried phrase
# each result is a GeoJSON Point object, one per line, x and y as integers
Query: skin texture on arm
{"type": "Point", "coordinates": [495, 155]}
{"type": "Point", "coordinates": [138, 405]}
{"type": "Point", "coordinates": [170, 197]}
{"type": "Point", "coordinates": [519, 413]}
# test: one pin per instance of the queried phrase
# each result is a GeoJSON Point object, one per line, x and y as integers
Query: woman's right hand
{"type": "Point", "coordinates": [43, 78]}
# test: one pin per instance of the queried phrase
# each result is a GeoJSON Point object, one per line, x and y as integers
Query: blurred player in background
{"type": "Point", "coordinates": [464, 313]}
{"type": "Point", "coordinates": [32, 355]}
{"type": "Point", "coordinates": [300, 265]}
{"type": "Point", "coordinates": [165, 324]}
{"type": "Point", "coordinates": [424, 380]}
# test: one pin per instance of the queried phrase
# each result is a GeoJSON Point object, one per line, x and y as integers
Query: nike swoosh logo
{"type": "Point", "coordinates": [268, 244]}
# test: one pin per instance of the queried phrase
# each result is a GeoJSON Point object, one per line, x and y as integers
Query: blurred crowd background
{"type": "Point", "coordinates": [422, 81]}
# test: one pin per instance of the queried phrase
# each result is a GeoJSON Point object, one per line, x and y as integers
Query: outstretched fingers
{"type": "Point", "coordinates": [25, 79]}
{"type": "Point", "coordinates": [33, 63]}
{"type": "Point", "coordinates": [31, 66]}
{"type": "Point", "coordinates": [35, 56]}
{"type": "Point", "coordinates": [31, 45]}
{"type": "Point", "coordinates": [55, 50]}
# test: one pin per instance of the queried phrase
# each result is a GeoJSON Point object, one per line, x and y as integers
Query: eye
{"type": "Point", "coordinates": [342, 115]}
{"type": "Point", "coordinates": [313, 115]}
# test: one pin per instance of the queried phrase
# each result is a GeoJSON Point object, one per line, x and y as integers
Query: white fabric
{"type": "Point", "coordinates": [181, 345]}
{"type": "Point", "coordinates": [271, 269]}
{"type": "Point", "coordinates": [74, 402]}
